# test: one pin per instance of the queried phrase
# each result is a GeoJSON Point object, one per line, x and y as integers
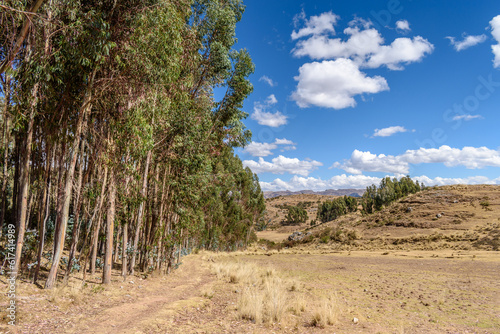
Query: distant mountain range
{"type": "Point", "coordinates": [328, 192]}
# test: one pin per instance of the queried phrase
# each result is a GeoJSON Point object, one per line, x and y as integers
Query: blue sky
{"type": "Point", "coordinates": [346, 93]}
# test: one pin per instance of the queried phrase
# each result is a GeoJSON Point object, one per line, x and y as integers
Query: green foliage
{"type": "Point", "coordinates": [295, 216]}
{"type": "Point", "coordinates": [143, 74]}
{"type": "Point", "coordinates": [375, 198]}
{"type": "Point", "coordinates": [331, 210]}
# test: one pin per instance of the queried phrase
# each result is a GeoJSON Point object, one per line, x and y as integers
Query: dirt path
{"type": "Point", "coordinates": [134, 306]}
{"type": "Point", "coordinates": [152, 310]}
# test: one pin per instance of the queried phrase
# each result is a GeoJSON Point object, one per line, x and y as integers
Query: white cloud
{"type": "Point", "coordinates": [495, 32]}
{"type": "Point", "coordinates": [387, 132]}
{"type": "Point", "coordinates": [282, 165]}
{"type": "Point", "coordinates": [467, 42]}
{"type": "Point", "coordinates": [360, 44]}
{"type": "Point", "coordinates": [317, 25]}
{"type": "Point", "coordinates": [267, 80]}
{"type": "Point", "coordinates": [367, 162]}
{"type": "Point", "coordinates": [336, 182]}
{"type": "Point", "coordinates": [289, 148]}
{"type": "Point", "coordinates": [469, 157]}
{"type": "Point", "coordinates": [400, 51]}
{"type": "Point", "coordinates": [271, 99]}
{"type": "Point", "coordinates": [362, 181]}
{"type": "Point", "coordinates": [443, 181]}
{"type": "Point", "coordinates": [365, 47]}
{"type": "Point", "coordinates": [268, 118]}
{"type": "Point", "coordinates": [466, 117]}
{"type": "Point", "coordinates": [333, 84]}
{"type": "Point", "coordinates": [264, 149]}
{"type": "Point", "coordinates": [299, 18]}
{"type": "Point", "coordinates": [260, 149]}
{"type": "Point", "coordinates": [263, 117]}
{"type": "Point", "coordinates": [403, 26]}
{"type": "Point", "coordinates": [284, 141]}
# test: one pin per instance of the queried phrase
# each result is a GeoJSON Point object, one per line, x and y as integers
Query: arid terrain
{"type": "Point", "coordinates": [433, 268]}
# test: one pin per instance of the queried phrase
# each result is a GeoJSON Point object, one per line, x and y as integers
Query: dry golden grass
{"type": "Point", "coordinates": [264, 297]}
{"type": "Point", "coordinates": [326, 312]}
{"type": "Point", "coordinates": [251, 304]}
{"type": "Point", "coordinates": [299, 304]}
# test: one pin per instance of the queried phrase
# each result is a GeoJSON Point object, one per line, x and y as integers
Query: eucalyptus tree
{"type": "Point", "coordinates": [122, 128]}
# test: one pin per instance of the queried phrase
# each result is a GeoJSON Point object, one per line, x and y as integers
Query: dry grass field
{"type": "Point", "coordinates": [406, 271]}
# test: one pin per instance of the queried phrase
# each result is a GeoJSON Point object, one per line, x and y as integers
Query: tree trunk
{"type": "Point", "coordinates": [69, 186]}
{"type": "Point", "coordinates": [22, 208]}
{"type": "Point", "coordinates": [140, 213]}
{"type": "Point", "coordinates": [95, 235]}
{"type": "Point", "coordinates": [77, 222]}
{"type": "Point", "coordinates": [110, 218]}
{"type": "Point", "coordinates": [5, 141]}
{"type": "Point", "coordinates": [114, 258]}
{"type": "Point", "coordinates": [43, 223]}
{"type": "Point", "coordinates": [124, 250]}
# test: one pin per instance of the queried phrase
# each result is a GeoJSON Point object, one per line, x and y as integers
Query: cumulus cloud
{"type": "Point", "coordinates": [495, 32]}
{"type": "Point", "coordinates": [336, 182]}
{"type": "Point", "coordinates": [400, 51]}
{"type": "Point", "coordinates": [362, 181]}
{"type": "Point", "coordinates": [317, 25]}
{"type": "Point", "coordinates": [360, 44]}
{"type": "Point", "coordinates": [333, 84]}
{"type": "Point", "coordinates": [443, 181]}
{"type": "Point", "coordinates": [387, 132]}
{"type": "Point", "coordinates": [284, 141]}
{"type": "Point", "coordinates": [367, 162]}
{"type": "Point", "coordinates": [263, 117]}
{"type": "Point", "coordinates": [469, 157]}
{"type": "Point", "coordinates": [366, 47]}
{"type": "Point", "coordinates": [264, 149]}
{"type": "Point", "coordinates": [282, 165]}
{"type": "Point", "coordinates": [467, 42]}
{"type": "Point", "coordinates": [260, 149]}
{"type": "Point", "coordinates": [267, 80]}
{"type": "Point", "coordinates": [403, 26]}
{"type": "Point", "coordinates": [466, 117]}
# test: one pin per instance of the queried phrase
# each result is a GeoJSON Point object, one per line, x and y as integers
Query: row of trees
{"type": "Point", "coordinates": [375, 198]}
{"type": "Point", "coordinates": [112, 142]}
{"type": "Point", "coordinates": [331, 210]}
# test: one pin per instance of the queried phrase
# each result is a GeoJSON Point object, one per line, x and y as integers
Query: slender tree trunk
{"type": "Point", "coordinates": [22, 208]}
{"type": "Point", "coordinates": [95, 235]}
{"type": "Point", "coordinates": [5, 141]}
{"type": "Point", "coordinates": [140, 213]}
{"type": "Point", "coordinates": [77, 221]}
{"type": "Point", "coordinates": [110, 219]}
{"type": "Point", "coordinates": [124, 250]}
{"type": "Point", "coordinates": [114, 258]}
{"type": "Point", "coordinates": [69, 186]}
{"type": "Point", "coordinates": [59, 193]}
{"type": "Point", "coordinates": [42, 228]}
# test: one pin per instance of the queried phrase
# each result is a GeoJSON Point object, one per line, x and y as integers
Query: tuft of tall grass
{"type": "Point", "coordinates": [326, 313]}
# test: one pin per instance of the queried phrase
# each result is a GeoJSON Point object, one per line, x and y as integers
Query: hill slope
{"type": "Point", "coordinates": [450, 217]}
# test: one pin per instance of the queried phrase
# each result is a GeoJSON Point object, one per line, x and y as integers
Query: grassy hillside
{"type": "Point", "coordinates": [450, 217]}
